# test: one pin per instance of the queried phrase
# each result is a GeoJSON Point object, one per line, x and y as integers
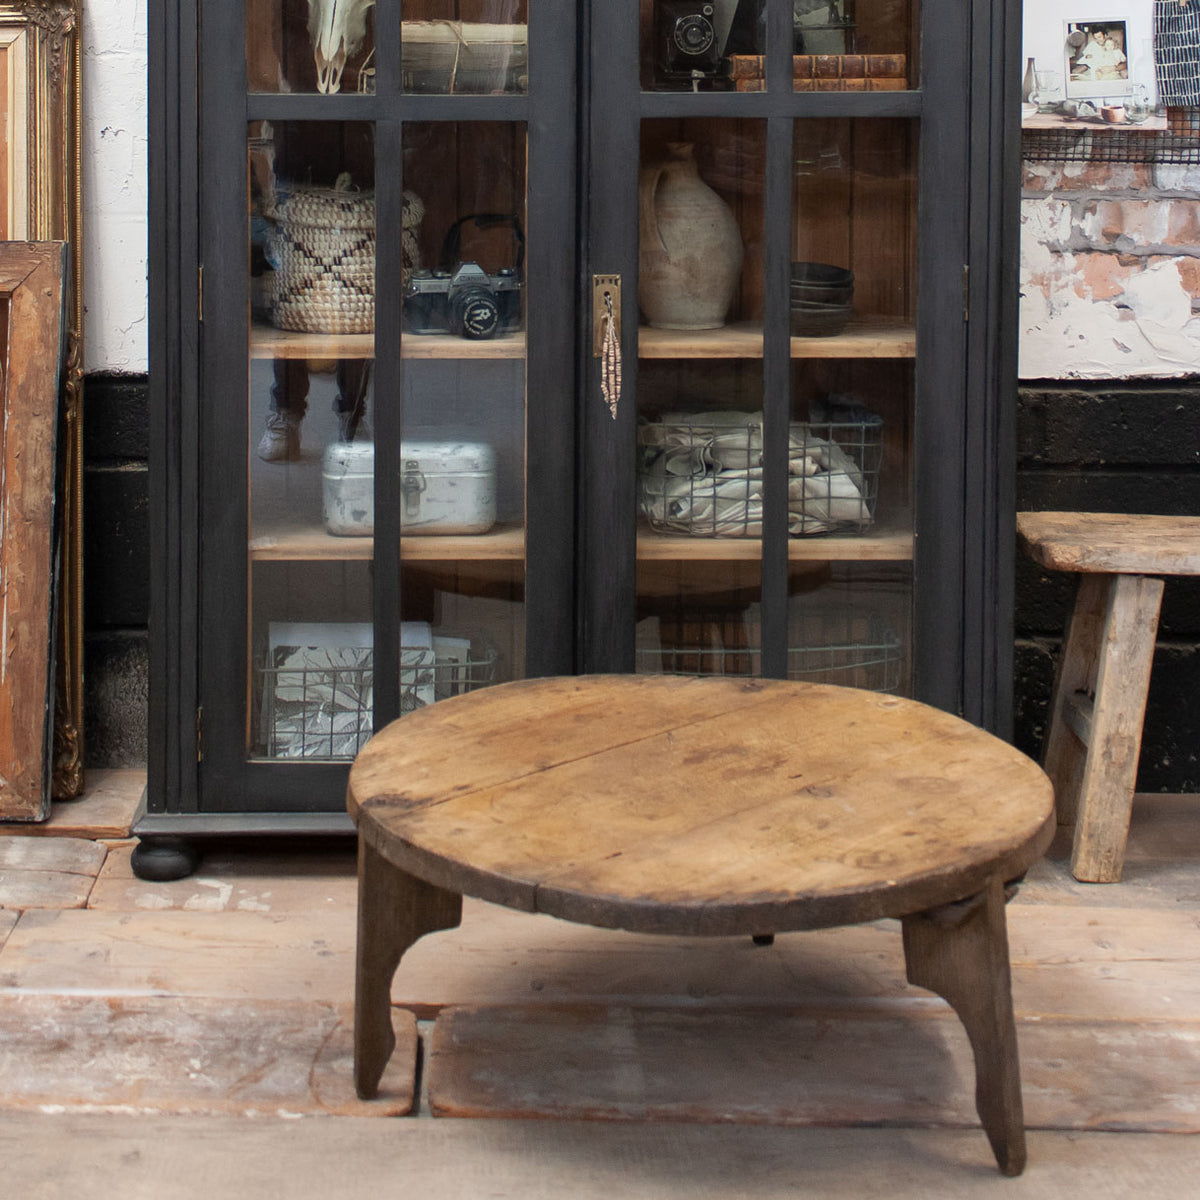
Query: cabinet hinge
{"type": "Point", "coordinates": [199, 732]}
{"type": "Point", "coordinates": [200, 291]}
{"type": "Point", "coordinates": [966, 292]}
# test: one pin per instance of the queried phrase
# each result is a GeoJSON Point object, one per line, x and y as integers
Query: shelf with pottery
{"type": "Point", "coordinates": [870, 337]}
{"type": "Point", "coordinates": [268, 342]}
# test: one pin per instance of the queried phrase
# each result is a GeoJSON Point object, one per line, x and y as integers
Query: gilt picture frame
{"type": "Point", "coordinates": [33, 354]}
{"type": "Point", "coordinates": [41, 201]}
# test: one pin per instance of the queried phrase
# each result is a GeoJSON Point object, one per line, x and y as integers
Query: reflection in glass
{"type": "Point", "coordinates": [479, 48]}
{"type": "Point", "coordinates": [852, 308]}
{"type": "Point", "coordinates": [699, 471]}
{"type": "Point", "coordinates": [848, 624]}
{"type": "Point", "coordinates": [855, 45]}
{"type": "Point", "coordinates": [687, 44]}
{"type": "Point", "coordinates": [838, 45]}
{"type": "Point", "coordinates": [309, 398]}
{"type": "Point", "coordinates": [321, 46]}
{"type": "Point", "coordinates": [463, 437]}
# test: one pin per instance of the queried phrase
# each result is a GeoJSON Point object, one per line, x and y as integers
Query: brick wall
{"type": "Point", "coordinates": [1110, 322]}
{"type": "Point", "coordinates": [1110, 270]}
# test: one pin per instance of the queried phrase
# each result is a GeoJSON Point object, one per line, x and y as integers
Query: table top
{"type": "Point", "coordinates": [1111, 543]}
{"type": "Point", "coordinates": [714, 805]}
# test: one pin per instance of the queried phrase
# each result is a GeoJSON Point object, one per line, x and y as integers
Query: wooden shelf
{"type": "Point", "coordinates": [877, 338]}
{"type": "Point", "coordinates": [883, 543]}
{"type": "Point", "coordinates": [278, 542]}
{"type": "Point", "coordinates": [268, 342]}
{"type": "Point", "coordinates": [872, 338]}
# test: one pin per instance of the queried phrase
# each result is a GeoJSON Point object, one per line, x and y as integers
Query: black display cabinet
{"type": "Point", "coordinates": [496, 339]}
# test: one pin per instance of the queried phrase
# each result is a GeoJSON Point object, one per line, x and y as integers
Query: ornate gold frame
{"type": "Point", "coordinates": [40, 79]}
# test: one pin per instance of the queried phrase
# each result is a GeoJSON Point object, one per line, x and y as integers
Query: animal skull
{"type": "Point", "coordinates": [337, 28]}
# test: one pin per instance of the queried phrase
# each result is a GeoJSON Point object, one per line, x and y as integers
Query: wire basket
{"type": "Point", "coordinates": [327, 712]}
{"type": "Point", "coordinates": [704, 478]}
{"type": "Point", "coordinates": [853, 650]}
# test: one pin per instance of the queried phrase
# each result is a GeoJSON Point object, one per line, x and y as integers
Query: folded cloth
{"type": "Point", "coordinates": [703, 474]}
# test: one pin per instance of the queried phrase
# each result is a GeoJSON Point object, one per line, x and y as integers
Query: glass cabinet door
{"type": "Point", "coordinates": [793, 417]}
{"type": "Point", "coordinates": [388, 376]}
{"type": "Point", "coordinates": [531, 338]}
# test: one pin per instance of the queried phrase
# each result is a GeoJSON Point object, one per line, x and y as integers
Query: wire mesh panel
{"type": "Point", "coordinates": [326, 710]}
{"type": "Point", "coordinates": [828, 645]}
{"type": "Point", "coordinates": [1179, 143]}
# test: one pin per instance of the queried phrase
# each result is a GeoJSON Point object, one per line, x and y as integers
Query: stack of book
{"type": "Point", "coordinates": [827, 72]}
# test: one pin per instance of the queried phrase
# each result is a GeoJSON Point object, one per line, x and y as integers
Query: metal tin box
{"type": "Point", "coordinates": [445, 487]}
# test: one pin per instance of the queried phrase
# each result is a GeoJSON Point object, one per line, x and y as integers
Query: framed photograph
{"type": "Point", "coordinates": [33, 348]}
{"type": "Point", "coordinates": [1097, 63]}
{"type": "Point", "coordinates": [40, 201]}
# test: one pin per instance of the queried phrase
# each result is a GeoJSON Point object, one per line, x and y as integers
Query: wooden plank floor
{"type": "Point", "coordinates": [531, 1016]}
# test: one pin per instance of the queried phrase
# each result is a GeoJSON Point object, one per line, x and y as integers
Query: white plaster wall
{"type": "Point", "coordinates": [114, 185]}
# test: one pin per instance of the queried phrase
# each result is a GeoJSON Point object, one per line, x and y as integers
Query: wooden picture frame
{"type": "Point", "coordinates": [40, 201]}
{"type": "Point", "coordinates": [33, 343]}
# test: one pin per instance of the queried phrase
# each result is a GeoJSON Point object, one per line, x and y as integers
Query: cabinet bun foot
{"type": "Point", "coordinates": [162, 859]}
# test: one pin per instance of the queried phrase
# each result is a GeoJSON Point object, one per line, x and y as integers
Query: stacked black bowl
{"type": "Point", "coordinates": [822, 298]}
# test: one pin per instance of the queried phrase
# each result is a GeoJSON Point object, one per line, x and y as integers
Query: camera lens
{"type": "Point", "coordinates": [693, 34]}
{"type": "Point", "coordinates": [474, 314]}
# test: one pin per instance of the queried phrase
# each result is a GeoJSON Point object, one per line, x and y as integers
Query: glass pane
{"type": "Point", "coordinates": [322, 46]}
{"type": "Point", "coordinates": [700, 396]}
{"type": "Point", "coordinates": [478, 47]}
{"type": "Point", "coordinates": [853, 306]}
{"type": "Point", "coordinates": [688, 45]}
{"type": "Point", "coordinates": [838, 45]}
{"type": "Point", "coordinates": [309, 398]}
{"type": "Point", "coordinates": [463, 447]}
{"type": "Point", "coordinates": [855, 45]}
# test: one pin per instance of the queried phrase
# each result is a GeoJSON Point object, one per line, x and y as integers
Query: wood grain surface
{"type": "Point", "coordinates": [32, 281]}
{"type": "Point", "coordinates": [699, 806]}
{"type": "Point", "coordinates": [1111, 543]}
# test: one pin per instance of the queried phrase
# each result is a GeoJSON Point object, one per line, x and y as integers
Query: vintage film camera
{"type": "Point", "coordinates": [466, 301]}
{"type": "Point", "coordinates": [460, 297]}
{"type": "Point", "coordinates": [689, 46]}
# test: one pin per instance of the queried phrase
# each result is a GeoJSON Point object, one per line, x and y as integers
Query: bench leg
{"type": "Point", "coordinates": [960, 951]}
{"type": "Point", "coordinates": [1099, 705]}
{"type": "Point", "coordinates": [394, 910]}
{"type": "Point", "coordinates": [1064, 754]}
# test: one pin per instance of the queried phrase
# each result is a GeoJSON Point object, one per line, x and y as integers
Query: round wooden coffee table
{"type": "Point", "coordinates": [705, 806]}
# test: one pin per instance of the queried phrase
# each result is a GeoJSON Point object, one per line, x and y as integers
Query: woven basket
{"type": "Point", "coordinates": [324, 257]}
{"type": "Point", "coordinates": [325, 260]}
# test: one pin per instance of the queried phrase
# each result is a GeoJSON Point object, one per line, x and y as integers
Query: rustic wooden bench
{"type": "Point", "coordinates": [1098, 706]}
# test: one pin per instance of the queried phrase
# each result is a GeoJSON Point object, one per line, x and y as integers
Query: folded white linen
{"type": "Point", "coordinates": [705, 476]}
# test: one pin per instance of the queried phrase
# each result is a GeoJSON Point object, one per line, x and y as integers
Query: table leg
{"type": "Point", "coordinates": [394, 910]}
{"type": "Point", "coordinates": [960, 951]}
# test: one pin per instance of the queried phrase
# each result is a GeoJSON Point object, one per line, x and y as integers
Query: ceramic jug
{"type": "Point", "coordinates": [690, 257]}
